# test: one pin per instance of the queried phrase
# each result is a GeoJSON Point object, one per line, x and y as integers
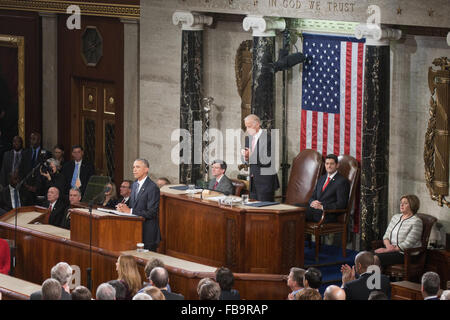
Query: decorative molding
{"type": "Point", "coordinates": [90, 9]}
{"type": "Point", "coordinates": [263, 26]}
{"type": "Point", "coordinates": [325, 26]}
{"type": "Point", "coordinates": [376, 35]}
{"type": "Point", "coordinates": [191, 21]}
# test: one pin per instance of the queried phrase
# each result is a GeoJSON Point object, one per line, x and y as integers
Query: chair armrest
{"type": "Point", "coordinates": [410, 251]}
{"type": "Point", "coordinates": [325, 212]}
{"type": "Point", "coordinates": [377, 244]}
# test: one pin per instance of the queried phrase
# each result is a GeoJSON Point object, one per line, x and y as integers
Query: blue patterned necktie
{"type": "Point", "coordinates": [16, 199]}
{"type": "Point", "coordinates": [74, 176]}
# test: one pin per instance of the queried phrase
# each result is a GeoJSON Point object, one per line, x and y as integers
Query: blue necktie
{"type": "Point", "coordinates": [33, 158]}
{"type": "Point", "coordinates": [16, 199]}
{"type": "Point", "coordinates": [75, 175]}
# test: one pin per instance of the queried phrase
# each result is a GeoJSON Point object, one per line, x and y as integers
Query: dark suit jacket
{"type": "Point", "coordinates": [8, 159]}
{"type": "Point", "coordinates": [225, 185]}
{"type": "Point", "coordinates": [38, 295]}
{"type": "Point", "coordinates": [146, 204]}
{"type": "Point", "coordinates": [5, 199]}
{"type": "Point", "coordinates": [126, 202]}
{"type": "Point", "coordinates": [58, 214]}
{"type": "Point", "coordinates": [86, 171]}
{"type": "Point", "coordinates": [26, 164]}
{"type": "Point", "coordinates": [335, 195]}
{"type": "Point", "coordinates": [263, 174]}
{"type": "Point", "coordinates": [230, 295]}
{"type": "Point", "coordinates": [358, 290]}
{"type": "Point", "coordinates": [172, 296]}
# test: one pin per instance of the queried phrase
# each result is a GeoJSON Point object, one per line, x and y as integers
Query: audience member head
{"type": "Point", "coordinates": [377, 295]}
{"type": "Point", "coordinates": [51, 290]}
{"type": "Point", "coordinates": [142, 296]}
{"type": "Point", "coordinates": [105, 291]}
{"type": "Point", "coordinates": [74, 196]}
{"type": "Point", "coordinates": [202, 282]}
{"type": "Point", "coordinates": [219, 167]}
{"type": "Point", "coordinates": [140, 168]}
{"type": "Point", "coordinates": [295, 278]}
{"type": "Point", "coordinates": [331, 163]}
{"type": "Point", "coordinates": [54, 164]}
{"type": "Point", "coordinates": [35, 139]}
{"type": "Point", "coordinates": [252, 124]}
{"type": "Point", "coordinates": [209, 290]}
{"type": "Point", "coordinates": [225, 278]}
{"type": "Point", "coordinates": [111, 190]}
{"type": "Point", "coordinates": [17, 143]}
{"type": "Point", "coordinates": [58, 152]}
{"type": "Point", "coordinates": [159, 277]}
{"type": "Point", "coordinates": [333, 292]}
{"type": "Point", "coordinates": [312, 278]}
{"type": "Point", "coordinates": [77, 152]}
{"type": "Point", "coordinates": [125, 188]}
{"type": "Point", "coordinates": [62, 272]}
{"type": "Point", "coordinates": [52, 194]}
{"type": "Point", "coordinates": [308, 294]}
{"type": "Point", "coordinates": [154, 292]}
{"type": "Point", "coordinates": [430, 284]}
{"type": "Point", "coordinates": [151, 264]}
{"type": "Point", "coordinates": [445, 295]}
{"type": "Point", "coordinates": [162, 182]}
{"type": "Point", "coordinates": [81, 293]}
{"type": "Point", "coordinates": [413, 203]}
{"type": "Point", "coordinates": [121, 291]}
{"type": "Point", "coordinates": [363, 260]}
{"type": "Point", "coordinates": [127, 271]}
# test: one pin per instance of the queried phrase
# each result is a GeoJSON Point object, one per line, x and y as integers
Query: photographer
{"type": "Point", "coordinates": [51, 177]}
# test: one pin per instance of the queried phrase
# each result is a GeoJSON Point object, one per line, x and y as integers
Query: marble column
{"type": "Point", "coordinates": [191, 113]}
{"type": "Point", "coordinates": [49, 80]}
{"type": "Point", "coordinates": [263, 86]}
{"type": "Point", "coordinates": [375, 136]}
{"type": "Point", "coordinates": [130, 95]}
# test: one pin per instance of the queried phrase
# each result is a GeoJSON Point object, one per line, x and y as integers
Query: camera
{"type": "Point", "coordinates": [46, 168]}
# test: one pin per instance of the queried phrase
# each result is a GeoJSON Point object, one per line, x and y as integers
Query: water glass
{"type": "Point", "coordinates": [244, 198]}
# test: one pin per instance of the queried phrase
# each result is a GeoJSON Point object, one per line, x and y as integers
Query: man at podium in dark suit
{"type": "Point", "coordinates": [144, 202]}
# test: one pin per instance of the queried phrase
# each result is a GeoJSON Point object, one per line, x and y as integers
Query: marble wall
{"type": "Point", "coordinates": [160, 58]}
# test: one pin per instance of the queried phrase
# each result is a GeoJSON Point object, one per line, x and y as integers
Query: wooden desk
{"type": "Point", "coordinates": [407, 290]}
{"type": "Point", "coordinates": [242, 238]}
{"type": "Point", "coordinates": [16, 289]}
{"type": "Point", "coordinates": [439, 262]}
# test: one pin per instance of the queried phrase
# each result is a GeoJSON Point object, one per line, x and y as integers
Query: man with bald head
{"type": "Point", "coordinates": [334, 293]}
{"type": "Point", "coordinates": [359, 288]}
{"type": "Point", "coordinates": [56, 206]}
{"type": "Point", "coordinates": [144, 202]}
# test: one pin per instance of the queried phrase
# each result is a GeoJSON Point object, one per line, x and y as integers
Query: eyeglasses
{"type": "Point", "coordinates": [125, 187]}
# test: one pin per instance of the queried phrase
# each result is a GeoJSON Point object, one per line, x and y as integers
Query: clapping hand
{"type": "Point", "coordinates": [348, 273]}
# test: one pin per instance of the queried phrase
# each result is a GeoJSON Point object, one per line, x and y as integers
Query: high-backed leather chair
{"type": "Point", "coordinates": [306, 169]}
{"type": "Point", "coordinates": [414, 258]}
{"type": "Point", "coordinates": [239, 186]}
{"type": "Point", "coordinates": [349, 168]}
{"type": "Point", "coordinates": [5, 260]}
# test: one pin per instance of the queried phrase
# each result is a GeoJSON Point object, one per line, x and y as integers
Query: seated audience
{"type": "Point", "coordinates": [312, 278]}
{"type": "Point", "coordinates": [403, 232]}
{"type": "Point", "coordinates": [125, 192]}
{"type": "Point", "coordinates": [51, 290]}
{"type": "Point", "coordinates": [128, 274]}
{"type": "Point", "coordinates": [149, 266]}
{"type": "Point", "coordinates": [295, 281]}
{"type": "Point", "coordinates": [357, 288]}
{"type": "Point", "coordinates": [445, 295]}
{"type": "Point", "coordinates": [220, 182]}
{"type": "Point", "coordinates": [333, 292]}
{"type": "Point", "coordinates": [225, 279]}
{"type": "Point", "coordinates": [154, 292]}
{"type": "Point", "coordinates": [430, 285]}
{"type": "Point", "coordinates": [105, 291]}
{"type": "Point", "coordinates": [377, 295]}
{"type": "Point", "coordinates": [58, 153]}
{"type": "Point", "coordinates": [162, 182]}
{"type": "Point", "coordinates": [142, 296]}
{"type": "Point", "coordinates": [110, 199]}
{"type": "Point", "coordinates": [74, 201]}
{"type": "Point", "coordinates": [121, 291]}
{"type": "Point", "coordinates": [50, 177]}
{"type": "Point", "coordinates": [62, 273]}
{"type": "Point", "coordinates": [81, 293]}
{"type": "Point", "coordinates": [308, 294]}
{"type": "Point", "coordinates": [209, 290]}
{"type": "Point", "coordinates": [57, 207]}
{"type": "Point", "coordinates": [159, 277]}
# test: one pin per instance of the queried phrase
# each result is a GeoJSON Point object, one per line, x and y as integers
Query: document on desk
{"type": "Point", "coordinates": [117, 212]}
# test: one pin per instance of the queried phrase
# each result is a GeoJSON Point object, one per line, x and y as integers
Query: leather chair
{"type": "Point", "coordinates": [239, 186]}
{"type": "Point", "coordinates": [349, 168]}
{"type": "Point", "coordinates": [306, 169]}
{"type": "Point", "coordinates": [414, 258]}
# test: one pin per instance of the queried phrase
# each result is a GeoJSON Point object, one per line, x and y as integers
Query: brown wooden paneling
{"type": "Point", "coordinates": [72, 70]}
{"type": "Point", "coordinates": [27, 24]}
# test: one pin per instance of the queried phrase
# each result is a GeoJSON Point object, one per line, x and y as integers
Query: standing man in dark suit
{"type": "Point", "coordinates": [11, 160]}
{"type": "Point", "coordinates": [331, 192]}
{"type": "Point", "coordinates": [10, 197]}
{"type": "Point", "coordinates": [57, 207]}
{"type": "Point", "coordinates": [220, 182]}
{"type": "Point", "coordinates": [77, 172]}
{"type": "Point", "coordinates": [259, 154]}
{"type": "Point", "coordinates": [144, 202]}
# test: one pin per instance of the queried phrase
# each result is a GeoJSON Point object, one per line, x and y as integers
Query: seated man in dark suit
{"type": "Point", "coordinates": [57, 207]}
{"type": "Point", "coordinates": [331, 192]}
{"type": "Point", "coordinates": [225, 279]}
{"type": "Point", "coordinates": [77, 172]}
{"type": "Point", "coordinates": [159, 277]}
{"type": "Point", "coordinates": [430, 285]}
{"type": "Point", "coordinates": [360, 288]}
{"type": "Point", "coordinates": [74, 201]}
{"type": "Point", "coordinates": [125, 192]}
{"type": "Point", "coordinates": [61, 272]}
{"type": "Point", "coordinates": [220, 182]}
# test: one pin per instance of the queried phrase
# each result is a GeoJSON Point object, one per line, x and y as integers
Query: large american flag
{"type": "Point", "coordinates": [332, 96]}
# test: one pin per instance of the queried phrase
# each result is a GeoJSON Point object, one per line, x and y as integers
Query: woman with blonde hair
{"type": "Point", "coordinates": [128, 274]}
{"type": "Point", "coordinates": [154, 292]}
{"type": "Point", "coordinates": [110, 199]}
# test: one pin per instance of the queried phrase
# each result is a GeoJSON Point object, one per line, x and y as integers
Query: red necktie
{"type": "Point", "coordinates": [123, 200]}
{"type": "Point", "coordinates": [215, 185]}
{"type": "Point", "coordinates": [50, 207]}
{"type": "Point", "coordinates": [326, 183]}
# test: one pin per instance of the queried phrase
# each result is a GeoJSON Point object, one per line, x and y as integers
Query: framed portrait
{"type": "Point", "coordinates": [12, 88]}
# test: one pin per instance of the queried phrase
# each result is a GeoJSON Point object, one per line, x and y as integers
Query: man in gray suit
{"type": "Point", "coordinates": [144, 202]}
{"type": "Point", "coordinates": [220, 182]}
